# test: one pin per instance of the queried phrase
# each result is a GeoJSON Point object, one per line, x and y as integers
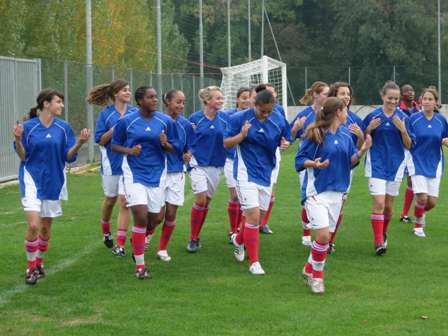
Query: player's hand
{"type": "Point", "coordinates": [367, 143]}
{"type": "Point", "coordinates": [445, 141]}
{"type": "Point", "coordinates": [399, 124]}
{"type": "Point", "coordinates": [321, 165]}
{"type": "Point", "coordinates": [135, 151]}
{"type": "Point", "coordinates": [245, 128]}
{"type": "Point", "coordinates": [163, 139]}
{"type": "Point", "coordinates": [84, 135]}
{"type": "Point", "coordinates": [298, 124]}
{"type": "Point", "coordinates": [187, 156]}
{"type": "Point", "coordinates": [356, 130]}
{"type": "Point", "coordinates": [374, 123]}
{"type": "Point", "coordinates": [18, 131]}
{"type": "Point", "coordinates": [284, 144]}
{"type": "Point", "coordinates": [193, 125]}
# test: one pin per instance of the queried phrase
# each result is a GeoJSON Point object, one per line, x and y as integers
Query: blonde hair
{"type": "Point", "coordinates": [317, 87]}
{"type": "Point", "coordinates": [206, 94]}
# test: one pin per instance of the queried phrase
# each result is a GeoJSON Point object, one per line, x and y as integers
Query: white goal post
{"type": "Point", "coordinates": [263, 70]}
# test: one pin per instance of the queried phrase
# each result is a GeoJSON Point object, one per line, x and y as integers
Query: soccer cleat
{"type": "Point", "coordinates": [238, 252]}
{"type": "Point", "coordinates": [256, 269]}
{"type": "Point", "coordinates": [163, 255]}
{"type": "Point", "coordinates": [230, 238]}
{"type": "Point", "coordinates": [385, 239]}
{"type": "Point", "coordinates": [380, 249]}
{"type": "Point", "coordinates": [306, 241]}
{"type": "Point", "coordinates": [142, 273]}
{"type": "Point", "coordinates": [317, 285]}
{"type": "Point", "coordinates": [193, 246]}
{"type": "Point", "coordinates": [147, 242]}
{"type": "Point", "coordinates": [419, 232]}
{"type": "Point", "coordinates": [307, 276]}
{"type": "Point", "coordinates": [118, 251]}
{"type": "Point", "coordinates": [405, 219]}
{"type": "Point", "coordinates": [40, 271]}
{"type": "Point", "coordinates": [108, 241]}
{"type": "Point", "coordinates": [265, 229]}
{"type": "Point", "coordinates": [331, 248]}
{"type": "Point", "coordinates": [31, 276]}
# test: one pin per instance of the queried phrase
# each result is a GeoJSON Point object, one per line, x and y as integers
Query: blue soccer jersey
{"type": "Point", "coordinates": [309, 115]}
{"type": "Point", "coordinates": [46, 151]}
{"type": "Point", "coordinates": [352, 118]}
{"type": "Point", "coordinates": [338, 148]}
{"type": "Point", "coordinates": [426, 151]}
{"type": "Point", "coordinates": [230, 152]}
{"type": "Point", "coordinates": [386, 158]}
{"type": "Point", "coordinates": [279, 109]}
{"type": "Point", "coordinates": [107, 119]}
{"type": "Point", "coordinates": [208, 141]}
{"type": "Point", "coordinates": [175, 161]}
{"type": "Point", "coordinates": [255, 155]}
{"type": "Point", "coordinates": [148, 167]}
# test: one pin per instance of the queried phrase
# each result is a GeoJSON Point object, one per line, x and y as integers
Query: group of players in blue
{"type": "Point", "coordinates": [146, 154]}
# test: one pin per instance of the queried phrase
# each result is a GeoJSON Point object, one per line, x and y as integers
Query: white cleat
{"type": "Point", "coordinates": [317, 285]}
{"type": "Point", "coordinates": [419, 232]}
{"type": "Point", "coordinates": [238, 252]}
{"type": "Point", "coordinates": [256, 269]}
{"type": "Point", "coordinates": [306, 240]}
{"type": "Point", "coordinates": [163, 255]}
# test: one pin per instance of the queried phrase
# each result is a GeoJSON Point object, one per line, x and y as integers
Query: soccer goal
{"type": "Point", "coordinates": [263, 70]}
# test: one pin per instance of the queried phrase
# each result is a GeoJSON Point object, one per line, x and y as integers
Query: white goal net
{"type": "Point", "coordinates": [263, 70]}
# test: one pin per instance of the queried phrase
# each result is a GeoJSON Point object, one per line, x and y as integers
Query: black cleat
{"type": "Point", "coordinates": [118, 251]}
{"type": "Point", "coordinates": [380, 249]}
{"type": "Point", "coordinates": [265, 229]}
{"type": "Point", "coordinates": [108, 241]}
{"type": "Point", "coordinates": [31, 276]}
{"type": "Point", "coordinates": [405, 219]}
{"type": "Point", "coordinates": [40, 271]}
{"type": "Point", "coordinates": [331, 248]}
{"type": "Point", "coordinates": [142, 274]}
{"type": "Point", "coordinates": [193, 246]}
{"type": "Point", "coordinates": [385, 240]}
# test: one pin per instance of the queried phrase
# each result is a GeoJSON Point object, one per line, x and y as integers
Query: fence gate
{"type": "Point", "coordinates": [20, 82]}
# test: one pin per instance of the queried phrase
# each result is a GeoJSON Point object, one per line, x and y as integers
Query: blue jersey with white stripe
{"type": "Point", "coordinates": [426, 151]}
{"type": "Point", "coordinates": [46, 154]}
{"type": "Point", "coordinates": [148, 167]}
{"type": "Point", "coordinates": [338, 148]}
{"type": "Point", "coordinates": [310, 116]}
{"type": "Point", "coordinates": [208, 142]}
{"type": "Point", "coordinates": [175, 161]}
{"type": "Point", "coordinates": [230, 152]}
{"type": "Point", "coordinates": [279, 109]}
{"type": "Point", "coordinates": [255, 155]}
{"type": "Point", "coordinates": [107, 119]}
{"type": "Point", "coordinates": [386, 158]}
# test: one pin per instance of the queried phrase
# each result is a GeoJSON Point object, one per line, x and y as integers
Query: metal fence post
{"type": "Point", "coordinates": [66, 102]}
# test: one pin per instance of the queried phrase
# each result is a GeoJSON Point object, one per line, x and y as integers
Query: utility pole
{"type": "Point", "coordinates": [229, 44]}
{"type": "Point", "coordinates": [89, 75]}
{"type": "Point", "coordinates": [262, 28]}
{"type": "Point", "coordinates": [201, 46]}
{"type": "Point", "coordinates": [159, 47]}
{"type": "Point", "coordinates": [249, 33]}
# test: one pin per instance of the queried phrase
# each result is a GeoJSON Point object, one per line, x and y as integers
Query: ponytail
{"type": "Point", "coordinates": [324, 118]}
{"type": "Point", "coordinates": [102, 94]}
{"type": "Point", "coordinates": [45, 95]}
{"type": "Point", "coordinates": [317, 87]}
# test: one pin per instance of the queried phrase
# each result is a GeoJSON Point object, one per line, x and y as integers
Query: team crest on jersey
{"type": "Point", "coordinates": [148, 129]}
{"type": "Point", "coordinates": [336, 142]}
{"type": "Point", "coordinates": [261, 130]}
{"type": "Point", "coordinates": [388, 124]}
{"type": "Point", "coordinates": [212, 127]}
{"type": "Point", "coordinates": [429, 126]}
{"type": "Point", "coordinates": [48, 136]}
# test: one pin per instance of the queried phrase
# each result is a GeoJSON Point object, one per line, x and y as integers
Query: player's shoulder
{"type": "Point", "coordinates": [195, 116]}
{"type": "Point", "coordinates": [132, 108]}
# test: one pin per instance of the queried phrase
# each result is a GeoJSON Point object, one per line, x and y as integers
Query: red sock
{"type": "Point", "coordinates": [167, 231]}
{"type": "Point", "coordinates": [408, 197]}
{"type": "Point", "coordinates": [251, 236]}
{"type": "Point", "coordinates": [197, 218]}
{"type": "Point", "coordinates": [333, 234]}
{"type": "Point", "coordinates": [105, 227]}
{"type": "Point", "coordinates": [42, 248]}
{"type": "Point", "coordinates": [377, 220]}
{"type": "Point", "coordinates": [233, 208]}
{"type": "Point", "coordinates": [318, 256]}
{"type": "Point", "coordinates": [305, 222]}
{"type": "Point", "coordinates": [419, 213]}
{"type": "Point", "coordinates": [121, 237]}
{"type": "Point", "coordinates": [240, 236]}
{"type": "Point", "coordinates": [265, 219]}
{"type": "Point", "coordinates": [138, 245]}
{"type": "Point", "coordinates": [387, 219]}
{"type": "Point", "coordinates": [31, 248]}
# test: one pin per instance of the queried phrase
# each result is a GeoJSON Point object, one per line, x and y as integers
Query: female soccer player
{"type": "Point", "coordinates": [257, 132]}
{"type": "Point", "coordinates": [429, 130]}
{"type": "Point", "coordinates": [315, 97]}
{"type": "Point", "coordinates": [174, 101]}
{"type": "Point", "coordinates": [327, 154]}
{"type": "Point", "coordinates": [143, 138]}
{"type": "Point", "coordinates": [385, 161]}
{"type": "Point", "coordinates": [208, 157]}
{"type": "Point", "coordinates": [44, 144]}
{"type": "Point", "coordinates": [354, 124]}
{"type": "Point", "coordinates": [243, 101]}
{"type": "Point", "coordinates": [119, 93]}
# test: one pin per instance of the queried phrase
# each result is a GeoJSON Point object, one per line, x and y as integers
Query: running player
{"type": "Point", "coordinates": [429, 130]}
{"type": "Point", "coordinates": [385, 161]}
{"type": "Point", "coordinates": [327, 154]}
{"type": "Point", "coordinates": [119, 93]}
{"type": "Point", "coordinates": [256, 133]}
{"type": "Point", "coordinates": [44, 144]}
{"type": "Point", "coordinates": [144, 137]}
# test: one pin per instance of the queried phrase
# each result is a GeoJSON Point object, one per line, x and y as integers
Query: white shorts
{"type": "Point", "coordinates": [276, 170]}
{"type": "Point", "coordinates": [152, 197]}
{"type": "Point", "coordinates": [228, 173]}
{"type": "Point", "coordinates": [112, 185]}
{"type": "Point", "coordinates": [175, 188]}
{"type": "Point", "coordinates": [252, 195]}
{"type": "Point", "coordinates": [323, 210]}
{"type": "Point", "coordinates": [205, 179]}
{"type": "Point", "coordinates": [425, 185]}
{"type": "Point", "coordinates": [378, 187]}
{"type": "Point", "coordinates": [47, 208]}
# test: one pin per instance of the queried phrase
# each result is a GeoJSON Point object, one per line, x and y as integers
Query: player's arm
{"type": "Point", "coordinates": [18, 145]}
{"type": "Point", "coordinates": [234, 140]}
{"type": "Point", "coordinates": [75, 146]}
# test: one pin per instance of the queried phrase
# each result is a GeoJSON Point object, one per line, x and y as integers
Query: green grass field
{"type": "Point", "coordinates": [88, 291]}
